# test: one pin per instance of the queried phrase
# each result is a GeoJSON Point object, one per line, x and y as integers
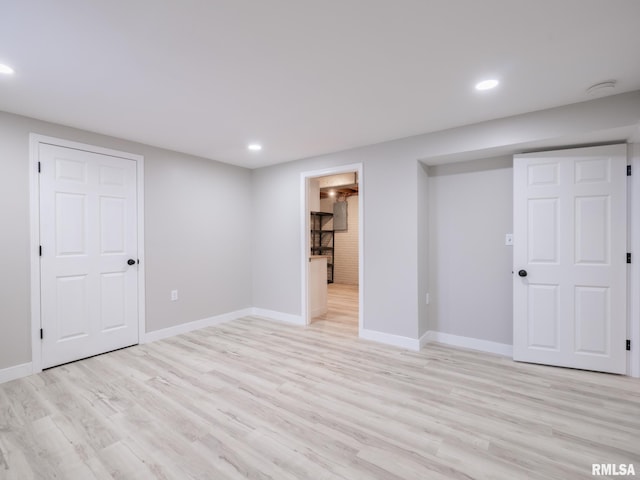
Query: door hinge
{"type": "Point", "coordinates": [40, 250]}
{"type": "Point", "coordinates": [628, 170]}
{"type": "Point", "coordinates": [628, 258]}
{"type": "Point", "coordinates": [41, 334]}
{"type": "Point", "coordinates": [628, 344]}
{"type": "Point", "coordinates": [39, 167]}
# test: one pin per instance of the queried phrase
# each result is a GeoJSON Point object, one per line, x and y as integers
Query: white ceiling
{"type": "Point", "coordinates": [304, 77]}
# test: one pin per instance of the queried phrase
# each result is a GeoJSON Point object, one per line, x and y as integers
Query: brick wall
{"type": "Point", "coordinates": [346, 243]}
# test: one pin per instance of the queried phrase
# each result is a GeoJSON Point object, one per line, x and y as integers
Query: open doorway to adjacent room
{"type": "Point", "coordinates": [332, 235]}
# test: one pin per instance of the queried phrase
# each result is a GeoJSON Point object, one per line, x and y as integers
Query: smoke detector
{"type": "Point", "coordinates": [602, 88]}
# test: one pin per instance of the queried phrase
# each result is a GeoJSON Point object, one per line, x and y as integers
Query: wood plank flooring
{"type": "Point", "coordinates": [259, 399]}
{"type": "Point", "coordinates": [342, 303]}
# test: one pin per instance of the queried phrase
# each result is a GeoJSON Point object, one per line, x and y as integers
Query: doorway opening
{"type": "Point", "coordinates": [332, 249]}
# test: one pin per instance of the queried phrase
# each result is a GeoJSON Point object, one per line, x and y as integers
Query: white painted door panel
{"type": "Point", "coordinates": [570, 237]}
{"type": "Point", "coordinates": [88, 231]}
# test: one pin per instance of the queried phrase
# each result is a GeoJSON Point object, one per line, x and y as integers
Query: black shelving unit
{"type": "Point", "coordinates": [322, 239]}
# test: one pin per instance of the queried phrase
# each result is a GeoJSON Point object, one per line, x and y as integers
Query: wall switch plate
{"type": "Point", "coordinates": [174, 295]}
{"type": "Point", "coordinates": [508, 239]}
{"type": "Point", "coordinates": [427, 299]}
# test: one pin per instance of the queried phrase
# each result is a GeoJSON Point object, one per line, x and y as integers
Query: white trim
{"type": "Point", "coordinates": [304, 237]}
{"type": "Point", "coordinates": [195, 325]}
{"type": "Point", "coordinates": [34, 253]}
{"type": "Point", "coordinates": [15, 372]}
{"type": "Point", "coordinates": [304, 247]}
{"type": "Point", "coordinates": [633, 289]}
{"type": "Point", "coordinates": [468, 342]}
{"type": "Point", "coordinates": [424, 339]}
{"type": "Point", "coordinates": [142, 295]}
{"type": "Point", "coordinates": [34, 213]}
{"type": "Point", "coordinates": [278, 316]}
{"type": "Point", "coordinates": [389, 339]}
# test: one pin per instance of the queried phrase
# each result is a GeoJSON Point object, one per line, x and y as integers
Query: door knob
{"type": "Point", "coordinates": [522, 273]}
{"type": "Point", "coordinates": [131, 261]}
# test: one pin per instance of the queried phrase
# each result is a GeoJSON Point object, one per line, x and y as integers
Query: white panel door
{"type": "Point", "coordinates": [570, 238]}
{"type": "Point", "coordinates": [88, 233]}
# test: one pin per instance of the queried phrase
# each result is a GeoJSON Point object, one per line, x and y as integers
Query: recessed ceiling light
{"type": "Point", "coordinates": [332, 193]}
{"type": "Point", "coordinates": [6, 69]}
{"type": "Point", "coordinates": [487, 84]}
{"type": "Point", "coordinates": [254, 147]}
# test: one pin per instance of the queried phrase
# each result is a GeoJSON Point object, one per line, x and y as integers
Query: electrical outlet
{"type": "Point", "coordinates": [174, 295]}
{"type": "Point", "coordinates": [508, 239]}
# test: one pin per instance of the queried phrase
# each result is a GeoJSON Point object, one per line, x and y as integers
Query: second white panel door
{"type": "Point", "coordinates": [570, 223]}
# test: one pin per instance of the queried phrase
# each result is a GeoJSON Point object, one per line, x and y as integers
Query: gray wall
{"type": "Point", "coordinates": [397, 232]}
{"type": "Point", "coordinates": [390, 235]}
{"type": "Point", "coordinates": [470, 211]}
{"type": "Point", "coordinates": [228, 238]}
{"type": "Point", "coordinates": [197, 233]}
{"type": "Point", "coordinates": [197, 238]}
{"type": "Point", "coordinates": [15, 322]}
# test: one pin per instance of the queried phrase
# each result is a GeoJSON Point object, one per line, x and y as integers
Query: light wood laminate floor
{"type": "Point", "coordinates": [342, 309]}
{"type": "Point", "coordinates": [259, 399]}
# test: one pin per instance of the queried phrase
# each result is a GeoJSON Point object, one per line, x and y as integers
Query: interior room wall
{"type": "Point", "coordinates": [197, 238]}
{"type": "Point", "coordinates": [197, 233]}
{"type": "Point", "coordinates": [314, 195]}
{"type": "Point", "coordinates": [271, 249]}
{"type": "Point", "coordinates": [15, 322]}
{"type": "Point", "coordinates": [470, 211]}
{"type": "Point", "coordinates": [326, 205]}
{"type": "Point", "coordinates": [391, 221]}
{"type": "Point", "coordinates": [346, 243]}
{"type": "Point", "coordinates": [389, 241]}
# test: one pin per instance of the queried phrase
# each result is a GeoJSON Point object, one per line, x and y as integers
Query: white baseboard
{"type": "Point", "coordinates": [468, 342]}
{"type": "Point", "coordinates": [390, 339]}
{"type": "Point", "coordinates": [279, 316]}
{"type": "Point", "coordinates": [15, 372]}
{"type": "Point", "coordinates": [195, 325]}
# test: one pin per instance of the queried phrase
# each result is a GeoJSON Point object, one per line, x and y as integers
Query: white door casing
{"type": "Point", "coordinates": [570, 237]}
{"type": "Point", "coordinates": [305, 178]}
{"type": "Point", "coordinates": [88, 232]}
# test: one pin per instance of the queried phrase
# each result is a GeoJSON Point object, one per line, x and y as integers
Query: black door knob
{"type": "Point", "coordinates": [131, 261]}
{"type": "Point", "coordinates": [522, 273]}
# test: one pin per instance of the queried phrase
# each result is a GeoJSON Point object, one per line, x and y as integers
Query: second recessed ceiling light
{"type": "Point", "coordinates": [487, 84]}
{"type": "Point", "coordinates": [6, 69]}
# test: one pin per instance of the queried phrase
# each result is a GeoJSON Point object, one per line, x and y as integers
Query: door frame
{"type": "Point", "coordinates": [633, 292]}
{"type": "Point", "coordinates": [305, 236]}
{"type": "Point", "coordinates": [34, 213]}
